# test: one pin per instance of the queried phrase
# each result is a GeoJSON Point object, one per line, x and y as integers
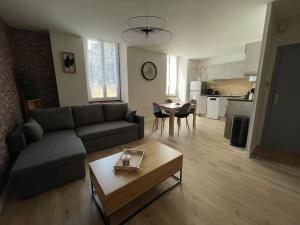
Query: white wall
{"type": "Point", "coordinates": [182, 79]}
{"type": "Point", "coordinates": [141, 93]}
{"type": "Point", "coordinates": [72, 87]}
{"type": "Point", "coordinates": [123, 72]}
{"type": "Point", "coordinates": [273, 41]}
{"type": "Point", "coordinates": [194, 70]}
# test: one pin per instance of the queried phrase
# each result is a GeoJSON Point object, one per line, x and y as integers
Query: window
{"type": "Point", "coordinates": [171, 75]}
{"type": "Point", "coordinates": [102, 70]}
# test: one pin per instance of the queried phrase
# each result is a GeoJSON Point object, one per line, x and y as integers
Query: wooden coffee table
{"type": "Point", "coordinates": [114, 190]}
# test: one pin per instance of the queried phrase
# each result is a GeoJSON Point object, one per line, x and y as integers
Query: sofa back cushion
{"type": "Point", "coordinates": [115, 111]}
{"type": "Point", "coordinates": [52, 119]}
{"type": "Point", "coordinates": [33, 131]}
{"type": "Point", "coordinates": [88, 114]}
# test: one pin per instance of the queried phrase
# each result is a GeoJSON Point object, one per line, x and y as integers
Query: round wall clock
{"type": "Point", "coordinates": [149, 70]}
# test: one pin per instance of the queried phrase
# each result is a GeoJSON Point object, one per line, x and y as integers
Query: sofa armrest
{"type": "Point", "coordinates": [140, 121]}
{"type": "Point", "coordinates": [16, 141]}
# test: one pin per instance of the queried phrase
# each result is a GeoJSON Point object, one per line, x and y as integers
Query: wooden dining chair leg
{"type": "Point", "coordinates": [178, 125]}
{"type": "Point", "coordinates": [161, 126]}
{"type": "Point", "coordinates": [155, 121]}
{"type": "Point", "coordinates": [187, 124]}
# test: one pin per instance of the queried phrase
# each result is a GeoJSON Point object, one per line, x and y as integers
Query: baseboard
{"type": "Point", "coordinates": [3, 196]}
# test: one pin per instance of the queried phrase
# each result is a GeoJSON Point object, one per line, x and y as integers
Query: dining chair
{"type": "Point", "coordinates": [183, 113]}
{"type": "Point", "coordinates": [159, 115]}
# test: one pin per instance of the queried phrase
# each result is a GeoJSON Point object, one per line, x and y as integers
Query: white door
{"type": "Point", "coordinates": [282, 130]}
{"type": "Point", "coordinates": [212, 108]}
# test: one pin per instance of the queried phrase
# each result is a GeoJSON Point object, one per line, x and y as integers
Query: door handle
{"type": "Point", "coordinates": [275, 102]}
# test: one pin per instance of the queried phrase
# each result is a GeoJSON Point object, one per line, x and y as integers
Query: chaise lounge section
{"type": "Point", "coordinates": [69, 133]}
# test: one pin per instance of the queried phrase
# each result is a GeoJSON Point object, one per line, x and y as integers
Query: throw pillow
{"type": "Point", "coordinates": [33, 131]}
{"type": "Point", "coordinates": [130, 115]}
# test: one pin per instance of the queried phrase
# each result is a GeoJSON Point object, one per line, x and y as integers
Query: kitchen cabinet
{"type": "Point", "coordinates": [252, 57]}
{"type": "Point", "coordinates": [235, 70]}
{"type": "Point", "coordinates": [232, 70]}
{"type": "Point", "coordinates": [202, 105]}
{"type": "Point", "coordinates": [216, 72]}
{"type": "Point", "coordinates": [222, 106]}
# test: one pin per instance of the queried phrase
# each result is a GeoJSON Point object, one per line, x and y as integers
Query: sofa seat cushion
{"type": "Point", "coordinates": [104, 129]}
{"type": "Point", "coordinates": [55, 149]}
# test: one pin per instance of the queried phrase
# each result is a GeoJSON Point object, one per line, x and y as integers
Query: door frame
{"type": "Point", "coordinates": [273, 84]}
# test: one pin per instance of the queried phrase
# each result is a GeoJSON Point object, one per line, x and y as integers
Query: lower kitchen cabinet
{"type": "Point", "coordinates": [202, 105]}
{"type": "Point", "coordinates": [222, 106]}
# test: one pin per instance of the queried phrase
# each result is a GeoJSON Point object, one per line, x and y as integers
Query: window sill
{"type": "Point", "coordinates": [105, 101]}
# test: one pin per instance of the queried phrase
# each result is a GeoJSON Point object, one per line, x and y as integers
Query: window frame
{"type": "Point", "coordinates": [88, 77]}
{"type": "Point", "coordinates": [168, 76]}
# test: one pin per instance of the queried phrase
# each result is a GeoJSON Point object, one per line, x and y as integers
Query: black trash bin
{"type": "Point", "coordinates": [239, 130]}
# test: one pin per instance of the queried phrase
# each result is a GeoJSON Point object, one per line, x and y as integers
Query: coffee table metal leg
{"type": "Point", "coordinates": [179, 179]}
{"type": "Point", "coordinates": [105, 218]}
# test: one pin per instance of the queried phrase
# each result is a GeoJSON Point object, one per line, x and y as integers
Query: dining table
{"type": "Point", "coordinates": [173, 108]}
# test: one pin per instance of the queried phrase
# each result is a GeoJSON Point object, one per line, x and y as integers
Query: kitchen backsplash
{"type": "Point", "coordinates": [231, 87]}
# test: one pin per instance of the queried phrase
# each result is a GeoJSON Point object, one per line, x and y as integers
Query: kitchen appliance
{"type": "Point", "coordinates": [209, 91]}
{"type": "Point", "coordinates": [197, 88]}
{"type": "Point", "coordinates": [213, 107]}
{"type": "Point", "coordinates": [215, 92]}
{"type": "Point", "coordinates": [250, 94]}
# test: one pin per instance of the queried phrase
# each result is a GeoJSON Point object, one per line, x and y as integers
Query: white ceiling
{"type": "Point", "coordinates": [201, 28]}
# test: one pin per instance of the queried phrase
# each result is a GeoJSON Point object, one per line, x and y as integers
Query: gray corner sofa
{"type": "Point", "coordinates": [69, 133]}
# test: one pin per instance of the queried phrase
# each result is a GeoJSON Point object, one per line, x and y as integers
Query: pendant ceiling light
{"type": "Point", "coordinates": [148, 31]}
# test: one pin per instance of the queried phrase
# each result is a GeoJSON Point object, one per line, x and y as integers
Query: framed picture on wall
{"type": "Point", "coordinates": [68, 62]}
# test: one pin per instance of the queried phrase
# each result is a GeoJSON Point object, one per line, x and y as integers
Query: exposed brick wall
{"type": "Point", "coordinates": [10, 110]}
{"type": "Point", "coordinates": [33, 49]}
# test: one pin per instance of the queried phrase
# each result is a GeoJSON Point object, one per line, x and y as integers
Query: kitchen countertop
{"type": "Point", "coordinates": [226, 96]}
{"type": "Point", "coordinates": [239, 99]}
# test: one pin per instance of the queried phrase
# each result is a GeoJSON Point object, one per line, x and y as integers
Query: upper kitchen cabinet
{"type": "Point", "coordinates": [215, 72]}
{"type": "Point", "coordinates": [232, 70]}
{"type": "Point", "coordinates": [252, 58]}
{"type": "Point", "coordinates": [235, 70]}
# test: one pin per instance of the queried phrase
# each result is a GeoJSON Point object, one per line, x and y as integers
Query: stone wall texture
{"type": "Point", "coordinates": [33, 49]}
{"type": "Point", "coordinates": [18, 49]}
{"type": "Point", "coordinates": [10, 110]}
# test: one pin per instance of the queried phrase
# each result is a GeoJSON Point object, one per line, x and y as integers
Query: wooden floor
{"type": "Point", "coordinates": [221, 186]}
